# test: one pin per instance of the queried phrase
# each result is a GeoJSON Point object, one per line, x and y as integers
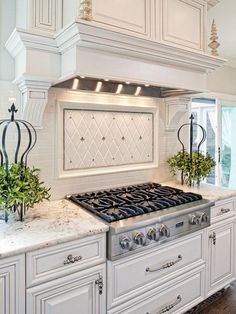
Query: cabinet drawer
{"type": "Point", "coordinates": [49, 263]}
{"type": "Point", "coordinates": [180, 295]}
{"type": "Point", "coordinates": [222, 210]}
{"type": "Point", "coordinates": [152, 267]}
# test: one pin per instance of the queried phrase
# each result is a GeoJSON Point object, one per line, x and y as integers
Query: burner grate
{"type": "Point", "coordinates": [122, 203]}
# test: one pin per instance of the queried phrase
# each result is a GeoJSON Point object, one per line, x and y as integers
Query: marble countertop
{"type": "Point", "coordinates": [49, 223]}
{"type": "Point", "coordinates": [208, 191]}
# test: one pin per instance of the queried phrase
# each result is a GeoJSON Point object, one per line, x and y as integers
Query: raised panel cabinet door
{"type": "Point", "coordinates": [12, 286]}
{"type": "Point", "coordinates": [221, 256]}
{"type": "Point", "coordinates": [82, 292]}
{"type": "Point", "coordinates": [128, 16]}
{"type": "Point", "coordinates": [183, 23]}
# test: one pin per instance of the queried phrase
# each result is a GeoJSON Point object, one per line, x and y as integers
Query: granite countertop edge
{"type": "Point", "coordinates": [48, 224]}
{"type": "Point", "coordinates": [208, 191]}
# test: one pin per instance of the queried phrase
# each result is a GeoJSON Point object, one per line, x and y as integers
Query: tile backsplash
{"type": "Point", "coordinates": [96, 138]}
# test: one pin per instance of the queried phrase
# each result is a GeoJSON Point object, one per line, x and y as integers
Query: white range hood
{"type": "Point", "coordinates": [86, 48]}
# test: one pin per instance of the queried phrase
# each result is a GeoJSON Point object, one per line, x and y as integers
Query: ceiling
{"type": "Point", "coordinates": [224, 15]}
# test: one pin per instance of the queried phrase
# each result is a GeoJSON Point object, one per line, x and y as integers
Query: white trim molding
{"type": "Point", "coordinates": [212, 3]}
{"type": "Point", "coordinates": [89, 101]}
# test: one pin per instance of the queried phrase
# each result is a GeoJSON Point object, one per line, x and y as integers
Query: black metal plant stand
{"type": "Point", "coordinates": [191, 125]}
{"type": "Point", "coordinates": [18, 156]}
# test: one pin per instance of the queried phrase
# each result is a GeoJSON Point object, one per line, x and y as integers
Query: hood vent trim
{"type": "Point", "coordinates": [85, 49]}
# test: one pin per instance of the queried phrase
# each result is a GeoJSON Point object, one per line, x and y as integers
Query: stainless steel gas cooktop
{"type": "Point", "coordinates": [143, 215]}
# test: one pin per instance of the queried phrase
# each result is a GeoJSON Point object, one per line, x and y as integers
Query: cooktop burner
{"type": "Point", "coordinates": [116, 204]}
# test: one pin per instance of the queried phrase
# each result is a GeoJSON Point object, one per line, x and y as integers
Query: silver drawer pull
{"type": "Point", "coordinates": [225, 210]}
{"type": "Point", "coordinates": [167, 265]}
{"type": "Point", "coordinates": [169, 307]}
{"type": "Point", "coordinates": [71, 260]}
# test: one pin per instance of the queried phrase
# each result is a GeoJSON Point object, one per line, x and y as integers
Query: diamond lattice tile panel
{"type": "Point", "coordinates": [94, 139]}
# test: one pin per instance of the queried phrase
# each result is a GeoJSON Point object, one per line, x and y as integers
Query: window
{"type": "Point", "coordinates": [218, 118]}
{"type": "Point", "coordinates": [204, 112]}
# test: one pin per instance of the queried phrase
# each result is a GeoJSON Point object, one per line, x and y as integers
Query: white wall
{"type": "Point", "coordinates": [7, 25]}
{"type": "Point", "coordinates": [223, 81]}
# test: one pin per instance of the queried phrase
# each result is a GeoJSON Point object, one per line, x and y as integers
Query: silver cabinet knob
{"type": "Point", "coordinates": [125, 242]}
{"type": "Point", "coordinates": [194, 220]}
{"type": "Point", "coordinates": [139, 238]}
{"type": "Point", "coordinates": [153, 234]}
{"type": "Point", "coordinates": [164, 231]}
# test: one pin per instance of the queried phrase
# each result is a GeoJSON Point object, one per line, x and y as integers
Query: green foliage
{"type": "Point", "coordinates": [21, 185]}
{"type": "Point", "coordinates": [194, 170]}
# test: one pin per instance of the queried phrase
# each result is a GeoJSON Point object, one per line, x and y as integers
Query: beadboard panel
{"type": "Point", "coordinates": [95, 138]}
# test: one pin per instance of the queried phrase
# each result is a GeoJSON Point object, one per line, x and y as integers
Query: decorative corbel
{"type": "Point", "coordinates": [34, 100]}
{"type": "Point", "coordinates": [175, 109]}
{"type": "Point", "coordinates": [86, 10]}
{"type": "Point", "coordinates": [214, 44]}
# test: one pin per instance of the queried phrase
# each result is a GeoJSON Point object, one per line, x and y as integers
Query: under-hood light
{"type": "Point", "coordinates": [98, 87]}
{"type": "Point", "coordinates": [147, 85]}
{"type": "Point", "coordinates": [119, 88]}
{"type": "Point", "coordinates": [75, 84]}
{"type": "Point", "coordinates": [138, 90]}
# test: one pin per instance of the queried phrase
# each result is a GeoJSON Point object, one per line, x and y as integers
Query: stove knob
{"type": "Point", "coordinates": [203, 217]}
{"type": "Point", "coordinates": [139, 238]}
{"type": "Point", "coordinates": [153, 234]}
{"type": "Point", "coordinates": [164, 231]}
{"type": "Point", "coordinates": [125, 242]}
{"type": "Point", "coordinates": [194, 220]}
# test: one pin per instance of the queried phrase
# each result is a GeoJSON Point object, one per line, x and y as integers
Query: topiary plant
{"type": "Point", "coordinates": [193, 170]}
{"type": "Point", "coordinates": [20, 188]}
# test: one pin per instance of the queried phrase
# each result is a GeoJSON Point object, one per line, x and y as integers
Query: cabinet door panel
{"type": "Point", "coordinates": [221, 256]}
{"type": "Point", "coordinates": [132, 15]}
{"type": "Point", "coordinates": [184, 23]}
{"type": "Point", "coordinates": [76, 293]}
{"type": "Point", "coordinates": [12, 285]}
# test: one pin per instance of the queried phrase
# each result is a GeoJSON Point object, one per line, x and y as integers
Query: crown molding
{"type": "Point", "coordinates": [212, 3]}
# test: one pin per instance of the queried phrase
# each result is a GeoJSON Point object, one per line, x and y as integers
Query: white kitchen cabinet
{"type": "Point", "coordinates": [128, 16]}
{"type": "Point", "coordinates": [12, 285]}
{"type": "Point", "coordinates": [83, 292]}
{"type": "Point", "coordinates": [50, 263]}
{"type": "Point", "coordinates": [221, 255]}
{"type": "Point", "coordinates": [180, 23]}
{"type": "Point", "coordinates": [183, 23]}
{"type": "Point", "coordinates": [176, 296]}
{"type": "Point", "coordinates": [149, 269]}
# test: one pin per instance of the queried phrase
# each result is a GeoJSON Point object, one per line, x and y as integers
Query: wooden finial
{"type": "Point", "coordinates": [86, 10]}
{"type": "Point", "coordinates": [214, 44]}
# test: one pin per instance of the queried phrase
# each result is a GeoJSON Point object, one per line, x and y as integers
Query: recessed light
{"type": "Point", "coordinates": [138, 90]}
{"type": "Point", "coordinates": [106, 80]}
{"type": "Point", "coordinates": [98, 87]}
{"type": "Point", "coordinates": [147, 85]}
{"type": "Point", "coordinates": [75, 84]}
{"type": "Point", "coordinates": [119, 88]}
{"type": "Point", "coordinates": [127, 83]}
{"type": "Point", "coordinates": [82, 76]}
